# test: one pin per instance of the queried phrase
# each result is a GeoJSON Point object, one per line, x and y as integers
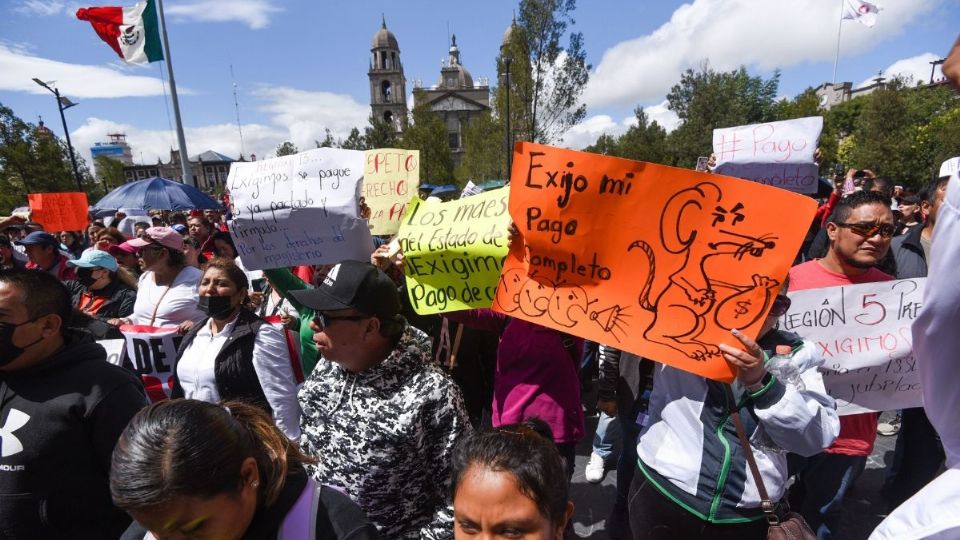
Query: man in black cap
{"type": "Point", "coordinates": [43, 252]}
{"type": "Point", "coordinates": [382, 419]}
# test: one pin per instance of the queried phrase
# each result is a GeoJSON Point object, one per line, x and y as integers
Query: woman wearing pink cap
{"type": "Point", "coordinates": [167, 295]}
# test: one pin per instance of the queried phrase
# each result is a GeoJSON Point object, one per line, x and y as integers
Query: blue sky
{"type": "Point", "coordinates": [301, 66]}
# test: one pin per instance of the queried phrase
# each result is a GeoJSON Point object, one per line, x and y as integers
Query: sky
{"type": "Point", "coordinates": [300, 67]}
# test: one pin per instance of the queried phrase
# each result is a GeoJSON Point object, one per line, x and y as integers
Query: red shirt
{"type": "Point", "coordinates": [858, 432]}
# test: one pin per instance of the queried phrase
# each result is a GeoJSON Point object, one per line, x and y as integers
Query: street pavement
{"type": "Point", "coordinates": [863, 507]}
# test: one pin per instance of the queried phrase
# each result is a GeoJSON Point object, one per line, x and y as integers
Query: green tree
{"type": "Point", "coordinates": [605, 144]}
{"type": "Point", "coordinates": [380, 134]}
{"type": "Point", "coordinates": [33, 160]}
{"type": "Point", "coordinates": [354, 141]}
{"type": "Point", "coordinates": [109, 172]}
{"type": "Point", "coordinates": [286, 148]}
{"type": "Point", "coordinates": [645, 141]}
{"type": "Point", "coordinates": [559, 73]}
{"type": "Point", "coordinates": [707, 99]}
{"type": "Point", "coordinates": [483, 150]}
{"type": "Point", "coordinates": [429, 136]}
{"type": "Point", "coordinates": [521, 88]}
{"type": "Point", "coordinates": [327, 142]}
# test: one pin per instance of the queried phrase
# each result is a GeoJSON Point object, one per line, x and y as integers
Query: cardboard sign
{"type": "Point", "coordinates": [59, 211]}
{"type": "Point", "coordinates": [775, 154]}
{"type": "Point", "coordinates": [152, 354]}
{"type": "Point", "coordinates": [863, 333]}
{"type": "Point", "coordinates": [454, 251]}
{"type": "Point", "coordinates": [390, 178]}
{"type": "Point", "coordinates": [114, 348]}
{"type": "Point", "coordinates": [298, 210]}
{"type": "Point", "coordinates": [654, 260]}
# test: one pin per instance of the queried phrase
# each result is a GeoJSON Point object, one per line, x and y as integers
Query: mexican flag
{"type": "Point", "coordinates": [131, 31]}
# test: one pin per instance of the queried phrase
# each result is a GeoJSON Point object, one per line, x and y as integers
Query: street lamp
{"type": "Point", "coordinates": [933, 67]}
{"type": "Point", "coordinates": [507, 60]}
{"type": "Point", "coordinates": [64, 103]}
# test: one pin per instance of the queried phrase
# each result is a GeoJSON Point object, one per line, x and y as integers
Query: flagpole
{"type": "Point", "coordinates": [836, 60]}
{"type": "Point", "coordinates": [184, 156]}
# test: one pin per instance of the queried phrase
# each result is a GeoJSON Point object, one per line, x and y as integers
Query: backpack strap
{"type": "Point", "coordinates": [300, 522]}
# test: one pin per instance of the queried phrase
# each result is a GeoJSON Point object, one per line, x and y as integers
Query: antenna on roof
{"type": "Point", "coordinates": [236, 106]}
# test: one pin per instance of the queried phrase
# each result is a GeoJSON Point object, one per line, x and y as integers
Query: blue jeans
{"type": "Point", "coordinates": [916, 460]}
{"type": "Point", "coordinates": [607, 436]}
{"type": "Point", "coordinates": [821, 485]}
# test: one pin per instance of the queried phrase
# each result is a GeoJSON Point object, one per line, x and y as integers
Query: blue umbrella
{"type": "Point", "coordinates": [157, 194]}
{"type": "Point", "coordinates": [446, 188]}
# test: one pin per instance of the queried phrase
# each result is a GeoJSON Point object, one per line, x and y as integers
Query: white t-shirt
{"type": "Point", "coordinates": [178, 304]}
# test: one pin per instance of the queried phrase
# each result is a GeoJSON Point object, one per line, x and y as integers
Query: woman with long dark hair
{"type": "Point", "coordinates": [191, 469]}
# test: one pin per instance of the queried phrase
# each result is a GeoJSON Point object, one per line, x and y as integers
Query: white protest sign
{"type": "Point", "coordinates": [114, 348]}
{"type": "Point", "coordinates": [152, 354]}
{"type": "Point", "coordinates": [777, 154]}
{"type": "Point", "coordinates": [863, 333]}
{"type": "Point", "coordinates": [299, 209]}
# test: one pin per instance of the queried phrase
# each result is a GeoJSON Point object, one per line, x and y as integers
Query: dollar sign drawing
{"type": "Point", "coordinates": [742, 308]}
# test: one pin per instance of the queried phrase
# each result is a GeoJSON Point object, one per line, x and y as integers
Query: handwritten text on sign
{"type": "Point", "coordinates": [59, 211]}
{"type": "Point", "coordinates": [658, 261]}
{"type": "Point", "coordinates": [390, 178]}
{"type": "Point", "coordinates": [299, 209]}
{"type": "Point", "coordinates": [454, 251]}
{"type": "Point", "coordinates": [776, 154]}
{"type": "Point", "coordinates": [152, 354]}
{"type": "Point", "coordinates": [863, 333]}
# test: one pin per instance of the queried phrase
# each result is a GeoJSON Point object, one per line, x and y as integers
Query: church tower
{"type": "Point", "coordinates": [388, 86]}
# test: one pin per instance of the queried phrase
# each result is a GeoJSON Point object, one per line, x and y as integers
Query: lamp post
{"type": "Point", "coordinates": [508, 135]}
{"type": "Point", "coordinates": [933, 67]}
{"type": "Point", "coordinates": [65, 103]}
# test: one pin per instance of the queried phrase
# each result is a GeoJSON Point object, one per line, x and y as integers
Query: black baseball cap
{"type": "Point", "coordinates": [353, 284]}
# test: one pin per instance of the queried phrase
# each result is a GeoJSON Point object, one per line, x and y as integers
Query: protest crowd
{"type": "Point", "coordinates": [160, 378]}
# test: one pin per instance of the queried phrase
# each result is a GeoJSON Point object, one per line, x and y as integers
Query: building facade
{"type": "Point", "coordinates": [388, 86]}
{"type": "Point", "coordinates": [210, 169]}
{"type": "Point", "coordinates": [456, 99]}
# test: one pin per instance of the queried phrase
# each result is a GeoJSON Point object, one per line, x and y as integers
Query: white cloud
{"type": "Point", "coordinates": [587, 132]}
{"type": "Point", "coordinates": [915, 69]}
{"type": "Point", "coordinates": [38, 7]}
{"type": "Point", "coordinates": [757, 33]}
{"type": "Point", "coordinates": [149, 145]}
{"type": "Point", "coordinates": [254, 13]}
{"type": "Point", "coordinates": [19, 67]}
{"type": "Point", "coordinates": [298, 116]}
{"type": "Point", "coordinates": [305, 114]}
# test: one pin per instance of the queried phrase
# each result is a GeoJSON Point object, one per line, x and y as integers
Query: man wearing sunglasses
{"type": "Point", "coordinates": [860, 230]}
{"type": "Point", "coordinates": [382, 420]}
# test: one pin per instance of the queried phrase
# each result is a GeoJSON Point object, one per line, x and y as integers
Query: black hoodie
{"type": "Point", "coordinates": [59, 422]}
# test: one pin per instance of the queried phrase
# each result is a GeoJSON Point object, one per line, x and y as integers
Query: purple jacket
{"type": "Point", "coordinates": [535, 374]}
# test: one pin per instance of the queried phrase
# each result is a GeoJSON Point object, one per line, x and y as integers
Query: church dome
{"type": "Point", "coordinates": [462, 77]}
{"type": "Point", "coordinates": [384, 39]}
{"type": "Point", "coordinates": [508, 34]}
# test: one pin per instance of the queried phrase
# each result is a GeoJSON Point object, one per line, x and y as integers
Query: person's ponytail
{"type": "Point", "coordinates": [274, 452]}
{"type": "Point", "coordinates": [184, 447]}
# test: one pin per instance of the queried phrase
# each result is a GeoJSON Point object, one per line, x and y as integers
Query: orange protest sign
{"type": "Point", "coordinates": [654, 260]}
{"type": "Point", "coordinates": [59, 211]}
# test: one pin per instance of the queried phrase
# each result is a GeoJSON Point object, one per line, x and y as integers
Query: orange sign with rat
{"type": "Point", "coordinates": [655, 260]}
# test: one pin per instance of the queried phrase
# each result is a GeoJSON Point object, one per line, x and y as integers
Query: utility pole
{"type": "Point", "coordinates": [508, 134]}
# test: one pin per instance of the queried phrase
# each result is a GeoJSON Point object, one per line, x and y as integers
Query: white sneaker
{"type": "Point", "coordinates": [595, 469]}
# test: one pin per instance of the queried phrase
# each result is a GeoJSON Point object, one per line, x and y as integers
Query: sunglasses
{"type": "Point", "coordinates": [868, 230]}
{"type": "Point", "coordinates": [781, 304]}
{"type": "Point", "coordinates": [322, 320]}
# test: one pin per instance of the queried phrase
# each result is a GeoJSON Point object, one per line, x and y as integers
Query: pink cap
{"type": "Point", "coordinates": [122, 248]}
{"type": "Point", "coordinates": [165, 236]}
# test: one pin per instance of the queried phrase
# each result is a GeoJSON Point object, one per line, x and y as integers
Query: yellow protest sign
{"type": "Point", "coordinates": [453, 251]}
{"type": "Point", "coordinates": [390, 177]}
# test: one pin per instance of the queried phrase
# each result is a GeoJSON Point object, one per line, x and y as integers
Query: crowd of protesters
{"type": "Point", "coordinates": [312, 402]}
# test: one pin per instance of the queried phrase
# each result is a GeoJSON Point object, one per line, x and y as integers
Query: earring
{"type": "Point", "coordinates": [255, 483]}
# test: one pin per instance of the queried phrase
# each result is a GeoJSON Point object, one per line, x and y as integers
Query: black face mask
{"type": "Point", "coordinates": [85, 277]}
{"type": "Point", "coordinates": [217, 307]}
{"type": "Point", "coordinates": [8, 351]}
